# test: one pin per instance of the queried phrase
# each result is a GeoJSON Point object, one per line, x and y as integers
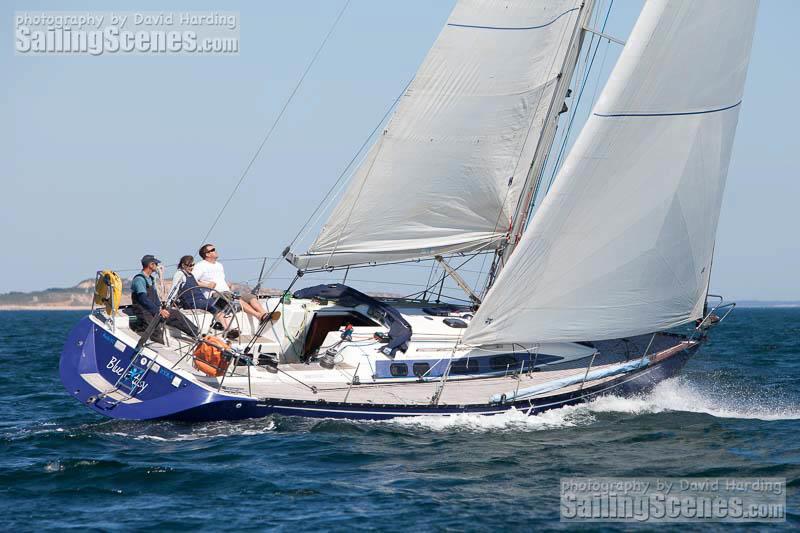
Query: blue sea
{"type": "Point", "coordinates": [735, 412]}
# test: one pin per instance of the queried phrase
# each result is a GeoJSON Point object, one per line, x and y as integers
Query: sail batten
{"type": "Point", "coordinates": [667, 113]}
{"type": "Point", "coordinates": [476, 26]}
{"type": "Point", "coordinates": [446, 173]}
{"type": "Point", "coordinates": [622, 244]}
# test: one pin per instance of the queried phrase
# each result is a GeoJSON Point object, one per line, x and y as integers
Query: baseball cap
{"type": "Point", "coordinates": [149, 258]}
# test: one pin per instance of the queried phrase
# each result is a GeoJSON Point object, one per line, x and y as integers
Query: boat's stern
{"type": "Point", "coordinates": [107, 375]}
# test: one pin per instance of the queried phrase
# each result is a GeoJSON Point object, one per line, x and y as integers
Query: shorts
{"type": "Point", "coordinates": [227, 300]}
{"type": "Point", "coordinates": [249, 298]}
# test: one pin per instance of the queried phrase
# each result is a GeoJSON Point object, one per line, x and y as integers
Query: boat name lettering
{"type": "Point", "coordinates": [135, 375]}
{"type": "Point", "coordinates": [114, 367]}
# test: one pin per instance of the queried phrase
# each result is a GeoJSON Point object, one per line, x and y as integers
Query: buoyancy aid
{"type": "Point", "coordinates": [192, 295]}
{"type": "Point", "coordinates": [151, 295]}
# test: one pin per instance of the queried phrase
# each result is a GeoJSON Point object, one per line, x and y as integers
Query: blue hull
{"type": "Point", "coordinates": [90, 351]}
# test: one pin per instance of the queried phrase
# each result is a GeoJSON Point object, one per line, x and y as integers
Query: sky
{"type": "Point", "coordinates": [106, 158]}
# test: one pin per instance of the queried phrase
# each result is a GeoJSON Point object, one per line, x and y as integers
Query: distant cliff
{"type": "Point", "coordinates": [78, 297]}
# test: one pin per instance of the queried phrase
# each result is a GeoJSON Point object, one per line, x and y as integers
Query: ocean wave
{"type": "Point", "coordinates": [172, 432]}
{"type": "Point", "coordinates": [679, 394]}
{"type": "Point", "coordinates": [673, 395]}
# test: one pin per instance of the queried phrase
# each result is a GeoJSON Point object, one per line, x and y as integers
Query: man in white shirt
{"type": "Point", "coordinates": [210, 270]}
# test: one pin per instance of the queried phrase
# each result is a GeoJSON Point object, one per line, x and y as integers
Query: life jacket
{"type": "Point", "coordinates": [192, 295]}
{"type": "Point", "coordinates": [108, 291]}
{"type": "Point", "coordinates": [209, 357]}
{"type": "Point", "coordinates": [152, 294]}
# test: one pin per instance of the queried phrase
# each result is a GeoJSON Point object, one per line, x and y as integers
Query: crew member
{"type": "Point", "coordinates": [188, 293]}
{"type": "Point", "coordinates": [211, 270]}
{"type": "Point", "coordinates": [147, 305]}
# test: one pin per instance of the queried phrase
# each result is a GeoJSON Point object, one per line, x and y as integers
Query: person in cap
{"type": "Point", "coordinates": [147, 304]}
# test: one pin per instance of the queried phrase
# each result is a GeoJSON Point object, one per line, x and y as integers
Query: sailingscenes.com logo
{"type": "Point", "coordinates": [102, 33]}
{"type": "Point", "coordinates": [673, 499]}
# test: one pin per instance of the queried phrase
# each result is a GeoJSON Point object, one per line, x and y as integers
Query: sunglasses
{"type": "Point", "coordinates": [211, 250]}
{"type": "Point", "coordinates": [188, 266]}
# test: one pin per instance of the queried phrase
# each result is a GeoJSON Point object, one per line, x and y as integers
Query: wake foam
{"type": "Point", "coordinates": [673, 395]}
{"type": "Point", "coordinates": [679, 394]}
{"type": "Point", "coordinates": [512, 419]}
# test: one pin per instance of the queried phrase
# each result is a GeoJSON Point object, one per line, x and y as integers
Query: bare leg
{"type": "Point", "coordinates": [255, 311]}
{"type": "Point", "coordinates": [259, 309]}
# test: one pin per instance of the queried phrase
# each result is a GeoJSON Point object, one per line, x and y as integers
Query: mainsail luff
{"type": "Point", "coordinates": [622, 245]}
{"type": "Point", "coordinates": [447, 172]}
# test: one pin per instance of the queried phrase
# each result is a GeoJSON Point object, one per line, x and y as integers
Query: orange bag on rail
{"type": "Point", "coordinates": [209, 358]}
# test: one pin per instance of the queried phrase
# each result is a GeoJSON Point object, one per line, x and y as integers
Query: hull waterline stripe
{"type": "Point", "coordinates": [512, 27]}
{"type": "Point", "coordinates": [388, 413]}
{"type": "Point", "coordinates": [397, 411]}
{"type": "Point", "coordinates": [668, 114]}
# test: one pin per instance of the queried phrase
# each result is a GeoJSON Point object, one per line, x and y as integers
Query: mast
{"type": "Point", "coordinates": [534, 176]}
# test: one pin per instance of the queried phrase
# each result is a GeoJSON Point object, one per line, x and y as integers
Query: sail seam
{"type": "Point", "coordinates": [668, 114]}
{"type": "Point", "coordinates": [513, 27]}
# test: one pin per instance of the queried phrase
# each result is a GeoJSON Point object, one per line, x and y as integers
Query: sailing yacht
{"type": "Point", "coordinates": [593, 291]}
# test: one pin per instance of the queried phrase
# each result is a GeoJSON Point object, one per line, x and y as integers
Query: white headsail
{"type": "Point", "coordinates": [623, 242]}
{"type": "Point", "coordinates": [446, 173]}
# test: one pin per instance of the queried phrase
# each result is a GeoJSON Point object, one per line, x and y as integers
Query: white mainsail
{"type": "Point", "coordinates": [623, 243]}
{"type": "Point", "coordinates": [446, 174]}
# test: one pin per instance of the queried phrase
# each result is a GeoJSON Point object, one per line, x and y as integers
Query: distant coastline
{"type": "Point", "coordinates": [79, 298]}
{"type": "Point", "coordinates": [768, 303]}
{"type": "Point", "coordinates": [42, 308]}
{"type": "Point", "coordinates": [76, 298]}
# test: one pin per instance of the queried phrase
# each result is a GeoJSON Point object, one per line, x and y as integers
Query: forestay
{"type": "Point", "coordinates": [446, 173]}
{"type": "Point", "coordinates": [623, 243]}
